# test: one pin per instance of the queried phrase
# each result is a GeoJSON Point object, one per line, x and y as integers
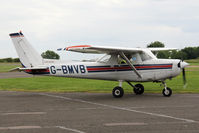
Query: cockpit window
{"type": "Point", "coordinates": [121, 60]}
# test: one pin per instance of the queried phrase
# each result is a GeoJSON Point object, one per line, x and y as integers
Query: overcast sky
{"type": "Point", "coordinates": [52, 24]}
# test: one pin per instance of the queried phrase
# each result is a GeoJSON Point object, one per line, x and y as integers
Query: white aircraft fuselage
{"type": "Point", "coordinates": [151, 70]}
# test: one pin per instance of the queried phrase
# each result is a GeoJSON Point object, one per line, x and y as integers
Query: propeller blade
{"type": "Point", "coordinates": [184, 76]}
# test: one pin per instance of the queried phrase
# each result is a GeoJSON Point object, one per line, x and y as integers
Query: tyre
{"type": "Point", "coordinates": [118, 92]}
{"type": "Point", "coordinates": [138, 89]}
{"type": "Point", "coordinates": [167, 92]}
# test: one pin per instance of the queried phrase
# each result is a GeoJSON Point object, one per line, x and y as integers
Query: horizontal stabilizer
{"type": "Point", "coordinates": [33, 70]}
{"type": "Point", "coordinates": [15, 69]}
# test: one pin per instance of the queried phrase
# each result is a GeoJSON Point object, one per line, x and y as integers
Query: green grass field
{"type": "Point", "coordinates": [5, 67]}
{"type": "Point", "coordinates": [193, 61]}
{"type": "Point", "coordinates": [60, 84]}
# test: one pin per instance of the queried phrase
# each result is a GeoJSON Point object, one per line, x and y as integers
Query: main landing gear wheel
{"type": "Point", "coordinates": [167, 92]}
{"type": "Point", "coordinates": [138, 89]}
{"type": "Point", "coordinates": [118, 92]}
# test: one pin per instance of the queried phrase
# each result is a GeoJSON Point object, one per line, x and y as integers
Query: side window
{"type": "Point", "coordinates": [136, 58]}
{"type": "Point", "coordinates": [145, 56]}
{"type": "Point", "coordinates": [104, 59]}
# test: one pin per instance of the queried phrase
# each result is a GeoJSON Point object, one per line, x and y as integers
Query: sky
{"type": "Point", "coordinates": [52, 24]}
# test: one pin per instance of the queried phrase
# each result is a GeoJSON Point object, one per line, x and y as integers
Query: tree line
{"type": "Point", "coordinates": [46, 55]}
{"type": "Point", "coordinates": [9, 60]}
{"type": "Point", "coordinates": [184, 54]}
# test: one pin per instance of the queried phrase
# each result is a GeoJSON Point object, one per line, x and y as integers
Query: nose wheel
{"type": "Point", "coordinates": [167, 92]}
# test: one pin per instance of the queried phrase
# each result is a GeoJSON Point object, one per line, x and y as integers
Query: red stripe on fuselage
{"type": "Point", "coordinates": [128, 67]}
{"type": "Point", "coordinates": [161, 66]}
{"type": "Point", "coordinates": [110, 68]}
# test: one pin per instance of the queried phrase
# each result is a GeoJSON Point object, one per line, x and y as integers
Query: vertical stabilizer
{"type": "Point", "coordinates": [27, 54]}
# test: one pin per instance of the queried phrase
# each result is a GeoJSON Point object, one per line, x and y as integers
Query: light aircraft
{"type": "Point", "coordinates": [119, 64]}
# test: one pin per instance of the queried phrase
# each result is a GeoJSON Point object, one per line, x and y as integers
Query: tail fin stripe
{"type": "Point", "coordinates": [16, 35]}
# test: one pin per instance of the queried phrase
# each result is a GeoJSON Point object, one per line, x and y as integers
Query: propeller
{"type": "Point", "coordinates": [182, 65]}
{"type": "Point", "coordinates": [184, 76]}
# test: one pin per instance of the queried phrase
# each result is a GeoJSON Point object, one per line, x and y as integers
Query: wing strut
{"type": "Point", "coordinates": [129, 63]}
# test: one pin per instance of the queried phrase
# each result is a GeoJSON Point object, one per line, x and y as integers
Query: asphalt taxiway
{"type": "Point", "coordinates": [97, 112]}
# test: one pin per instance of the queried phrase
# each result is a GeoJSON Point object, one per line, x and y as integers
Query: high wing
{"type": "Point", "coordinates": [110, 50]}
{"type": "Point", "coordinates": [100, 49]}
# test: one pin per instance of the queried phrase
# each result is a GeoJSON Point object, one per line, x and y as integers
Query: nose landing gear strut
{"type": "Point", "coordinates": [167, 92]}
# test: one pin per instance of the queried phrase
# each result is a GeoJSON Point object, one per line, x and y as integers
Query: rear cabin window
{"type": "Point", "coordinates": [104, 59]}
{"type": "Point", "coordinates": [145, 56]}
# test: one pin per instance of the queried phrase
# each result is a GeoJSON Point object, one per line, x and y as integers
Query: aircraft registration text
{"type": "Point", "coordinates": [68, 69]}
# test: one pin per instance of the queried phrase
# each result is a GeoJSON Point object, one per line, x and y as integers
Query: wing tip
{"type": "Point", "coordinates": [77, 46]}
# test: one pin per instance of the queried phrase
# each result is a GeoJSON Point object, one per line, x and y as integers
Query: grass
{"type": "Point", "coordinates": [60, 84]}
{"type": "Point", "coordinates": [5, 67]}
{"type": "Point", "coordinates": [193, 61]}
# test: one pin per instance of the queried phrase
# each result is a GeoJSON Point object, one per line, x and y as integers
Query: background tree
{"type": "Point", "coordinates": [16, 60]}
{"type": "Point", "coordinates": [50, 55]}
{"type": "Point", "coordinates": [178, 55]}
{"type": "Point", "coordinates": [183, 54]}
{"type": "Point", "coordinates": [156, 44]}
{"type": "Point", "coordinates": [161, 54]}
{"type": "Point", "coordinates": [192, 52]}
{"type": "Point", "coordinates": [8, 59]}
